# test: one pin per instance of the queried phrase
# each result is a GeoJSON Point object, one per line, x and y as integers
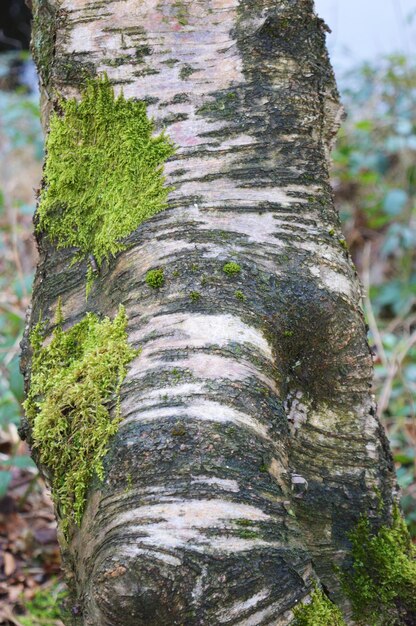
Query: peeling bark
{"type": "Point", "coordinates": [249, 444]}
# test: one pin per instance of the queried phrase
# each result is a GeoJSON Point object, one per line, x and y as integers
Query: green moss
{"type": "Point", "coordinates": [73, 381]}
{"type": "Point", "coordinates": [103, 172]}
{"type": "Point", "coordinates": [244, 522]}
{"type": "Point", "coordinates": [129, 483]}
{"type": "Point", "coordinates": [141, 52]}
{"type": "Point", "coordinates": [180, 98]}
{"type": "Point", "coordinates": [179, 430]}
{"type": "Point", "coordinates": [176, 373]}
{"type": "Point", "coordinates": [231, 268]}
{"type": "Point", "coordinates": [239, 295]}
{"type": "Point", "coordinates": [182, 12]}
{"type": "Point", "coordinates": [382, 581]}
{"type": "Point", "coordinates": [225, 105]}
{"type": "Point", "coordinates": [170, 62]}
{"type": "Point", "coordinates": [195, 296]}
{"type": "Point", "coordinates": [186, 71]}
{"type": "Point", "coordinates": [319, 612]}
{"type": "Point", "coordinates": [288, 333]}
{"type": "Point", "coordinates": [155, 278]}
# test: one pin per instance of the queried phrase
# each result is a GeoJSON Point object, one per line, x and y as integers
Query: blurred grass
{"type": "Point", "coordinates": [44, 609]}
{"type": "Point", "coordinates": [374, 177]}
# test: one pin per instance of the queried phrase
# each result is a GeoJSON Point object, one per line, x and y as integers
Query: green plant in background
{"type": "Point", "coordinates": [21, 148]}
{"type": "Point", "coordinates": [374, 176]}
{"type": "Point", "coordinates": [73, 380]}
{"type": "Point", "coordinates": [44, 608]}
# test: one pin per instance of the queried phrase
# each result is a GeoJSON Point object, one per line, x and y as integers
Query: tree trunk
{"type": "Point", "coordinates": [249, 444]}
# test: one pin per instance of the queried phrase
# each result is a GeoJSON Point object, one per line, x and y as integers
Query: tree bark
{"type": "Point", "coordinates": [249, 443]}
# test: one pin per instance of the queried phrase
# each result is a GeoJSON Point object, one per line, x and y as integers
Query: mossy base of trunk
{"type": "Point", "coordinates": [381, 582]}
{"type": "Point", "coordinates": [320, 611]}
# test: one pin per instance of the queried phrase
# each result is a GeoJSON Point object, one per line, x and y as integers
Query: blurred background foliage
{"type": "Point", "coordinates": [374, 179]}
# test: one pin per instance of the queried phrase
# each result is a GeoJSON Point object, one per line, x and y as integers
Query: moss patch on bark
{"type": "Point", "coordinates": [231, 268]}
{"type": "Point", "coordinates": [381, 583]}
{"type": "Point", "coordinates": [155, 278]}
{"type": "Point", "coordinates": [74, 381]}
{"type": "Point", "coordinates": [319, 612]}
{"type": "Point", "coordinates": [103, 172]}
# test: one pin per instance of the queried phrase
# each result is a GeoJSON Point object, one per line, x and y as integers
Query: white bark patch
{"type": "Point", "coordinates": [333, 280]}
{"type": "Point", "coordinates": [296, 410]}
{"type": "Point", "coordinates": [242, 606]}
{"type": "Point", "coordinates": [196, 43]}
{"type": "Point", "coordinates": [149, 255]}
{"type": "Point", "coordinates": [157, 555]}
{"type": "Point", "coordinates": [202, 366]}
{"type": "Point", "coordinates": [184, 524]}
{"type": "Point", "coordinates": [259, 228]}
{"type": "Point", "coordinates": [187, 330]}
{"type": "Point", "coordinates": [227, 189]}
{"type": "Point", "coordinates": [222, 483]}
{"type": "Point", "coordinates": [272, 611]}
{"type": "Point", "coordinates": [203, 411]}
{"type": "Point", "coordinates": [153, 396]}
{"type": "Point", "coordinates": [198, 590]}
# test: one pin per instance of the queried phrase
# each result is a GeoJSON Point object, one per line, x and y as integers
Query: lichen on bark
{"type": "Point", "coordinates": [74, 381]}
{"type": "Point", "coordinates": [103, 172]}
{"type": "Point", "coordinates": [43, 37]}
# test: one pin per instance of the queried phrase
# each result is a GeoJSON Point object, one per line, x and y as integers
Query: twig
{"type": "Point", "coordinates": [368, 308]}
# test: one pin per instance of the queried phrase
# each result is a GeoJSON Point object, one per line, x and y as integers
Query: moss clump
{"type": "Point", "coordinates": [73, 380]}
{"type": "Point", "coordinates": [231, 268]}
{"type": "Point", "coordinates": [195, 296]}
{"type": "Point", "coordinates": [186, 71]}
{"type": "Point", "coordinates": [155, 278]}
{"type": "Point", "coordinates": [239, 295]}
{"type": "Point", "coordinates": [382, 582]}
{"type": "Point", "coordinates": [319, 612]}
{"type": "Point", "coordinates": [182, 12]}
{"type": "Point", "coordinates": [103, 173]}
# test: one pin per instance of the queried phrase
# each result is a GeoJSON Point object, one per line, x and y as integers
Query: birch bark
{"type": "Point", "coordinates": [249, 443]}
